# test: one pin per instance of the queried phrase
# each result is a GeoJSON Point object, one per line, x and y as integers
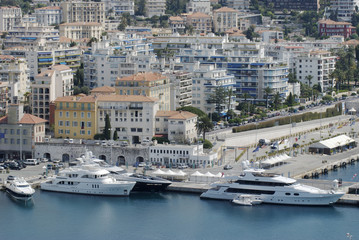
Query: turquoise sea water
{"type": "Point", "coordinates": [170, 216]}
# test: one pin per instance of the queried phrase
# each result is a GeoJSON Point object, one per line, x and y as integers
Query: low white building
{"type": "Point", "coordinates": [166, 154]}
{"type": "Point", "coordinates": [225, 18]}
{"type": "Point", "coordinates": [47, 16]}
{"type": "Point", "coordinates": [178, 126]}
{"type": "Point", "coordinates": [155, 8]}
{"type": "Point", "coordinates": [203, 6]}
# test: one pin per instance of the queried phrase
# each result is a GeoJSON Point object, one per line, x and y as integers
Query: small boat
{"type": "Point", "coordinates": [247, 200]}
{"type": "Point", "coordinates": [19, 189]}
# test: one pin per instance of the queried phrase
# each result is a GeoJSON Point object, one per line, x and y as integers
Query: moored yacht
{"type": "Point", "coordinates": [87, 180]}
{"type": "Point", "coordinates": [271, 188]}
{"type": "Point", "coordinates": [19, 189]}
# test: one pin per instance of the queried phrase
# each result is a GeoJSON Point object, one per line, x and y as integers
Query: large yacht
{"type": "Point", "coordinates": [144, 183]}
{"type": "Point", "coordinates": [87, 180]}
{"type": "Point", "coordinates": [271, 188]}
{"type": "Point", "coordinates": [19, 189]}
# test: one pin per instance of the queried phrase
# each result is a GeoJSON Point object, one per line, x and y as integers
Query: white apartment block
{"type": "Point", "coordinates": [237, 4]}
{"type": "Point", "coordinates": [77, 11]}
{"type": "Point", "coordinates": [81, 30]}
{"type": "Point", "coordinates": [204, 82]}
{"type": "Point", "coordinates": [166, 154]}
{"type": "Point", "coordinates": [345, 8]}
{"type": "Point", "coordinates": [107, 61]}
{"type": "Point", "coordinates": [47, 16]}
{"type": "Point", "coordinates": [155, 8]}
{"type": "Point", "coordinates": [201, 22]}
{"type": "Point", "coordinates": [178, 126]}
{"type": "Point", "coordinates": [203, 6]}
{"type": "Point", "coordinates": [177, 24]}
{"type": "Point", "coordinates": [270, 36]}
{"type": "Point", "coordinates": [319, 65]}
{"type": "Point", "coordinates": [32, 36]}
{"type": "Point", "coordinates": [14, 73]}
{"type": "Point", "coordinates": [225, 18]}
{"type": "Point", "coordinates": [119, 6]}
{"type": "Point", "coordinates": [181, 89]}
{"type": "Point", "coordinates": [9, 17]}
{"type": "Point", "coordinates": [49, 85]}
{"type": "Point", "coordinates": [132, 116]}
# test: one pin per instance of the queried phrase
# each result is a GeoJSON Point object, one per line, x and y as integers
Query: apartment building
{"type": "Point", "coordinates": [177, 24]}
{"type": "Point", "coordinates": [14, 74]}
{"type": "Point", "coordinates": [47, 16]}
{"type": "Point", "coordinates": [50, 84]}
{"type": "Point", "coordinates": [111, 59]}
{"type": "Point", "coordinates": [78, 11]}
{"type": "Point", "coordinates": [314, 67]}
{"type": "Point", "coordinates": [236, 4]}
{"type": "Point", "coordinates": [331, 28]}
{"type": "Point", "coordinates": [203, 6]}
{"type": "Point", "coordinates": [132, 116]}
{"type": "Point", "coordinates": [116, 8]}
{"type": "Point", "coordinates": [81, 30]}
{"type": "Point", "coordinates": [177, 126]}
{"type": "Point", "coordinates": [9, 17]}
{"type": "Point", "coordinates": [201, 22]}
{"type": "Point", "coordinates": [75, 117]}
{"type": "Point", "coordinates": [32, 36]}
{"type": "Point", "coordinates": [19, 132]}
{"type": "Point", "coordinates": [148, 84]}
{"type": "Point", "coordinates": [205, 81]}
{"type": "Point", "coordinates": [224, 19]}
{"type": "Point", "coordinates": [181, 89]}
{"type": "Point", "coordinates": [344, 8]}
{"type": "Point", "coordinates": [303, 5]}
{"type": "Point", "coordinates": [155, 8]}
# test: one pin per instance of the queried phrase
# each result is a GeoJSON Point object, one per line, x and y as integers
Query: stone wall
{"type": "Point", "coordinates": [66, 152]}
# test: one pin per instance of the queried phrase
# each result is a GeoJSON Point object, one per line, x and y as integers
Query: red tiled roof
{"type": "Point", "coordinates": [148, 76]}
{"type": "Point", "coordinates": [31, 119]}
{"type": "Point", "coordinates": [3, 120]}
{"type": "Point", "coordinates": [176, 114]}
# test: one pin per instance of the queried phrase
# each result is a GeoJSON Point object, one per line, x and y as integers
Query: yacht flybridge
{"type": "Point", "coordinates": [271, 188]}
{"type": "Point", "coordinates": [87, 180]}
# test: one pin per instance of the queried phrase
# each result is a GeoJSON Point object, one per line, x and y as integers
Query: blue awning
{"type": "Point", "coordinates": [257, 64]}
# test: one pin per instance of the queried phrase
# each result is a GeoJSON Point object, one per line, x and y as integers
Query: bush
{"type": "Point", "coordinates": [161, 140]}
{"type": "Point", "coordinates": [207, 144]}
{"type": "Point", "coordinates": [99, 136]}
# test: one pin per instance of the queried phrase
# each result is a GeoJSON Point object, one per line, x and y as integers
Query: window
{"type": "Point", "coordinates": [88, 124]}
{"type": "Point", "coordinates": [133, 129]}
{"type": "Point", "coordinates": [61, 123]}
{"type": "Point", "coordinates": [88, 115]}
{"type": "Point", "coordinates": [82, 114]}
{"type": "Point", "coordinates": [60, 114]}
{"type": "Point", "coordinates": [12, 131]}
{"type": "Point", "coordinates": [74, 123]}
{"type": "Point", "coordinates": [88, 132]}
{"type": "Point", "coordinates": [67, 123]}
{"type": "Point", "coordinates": [75, 114]}
{"type": "Point", "coordinates": [67, 114]}
{"type": "Point", "coordinates": [18, 131]}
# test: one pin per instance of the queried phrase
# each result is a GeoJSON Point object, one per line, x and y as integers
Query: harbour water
{"type": "Point", "coordinates": [171, 216]}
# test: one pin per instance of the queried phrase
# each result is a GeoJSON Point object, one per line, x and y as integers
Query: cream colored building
{"type": "Point", "coordinates": [155, 8]}
{"type": "Point", "coordinates": [81, 30]}
{"type": "Point", "coordinates": [178, 126]}
{"type": "Point", "coordinates": [48, 15]}
{"type": "Point", "coordinates": [77, 11]}
{"type": "Point", "coordinates": [147, 84]}
{"type": "Point", "coordinates": [9, 17]}
{"type": "Point", "coordinates": [201, 22]}
{"type": "Point", "coordinates": [225, 18]}
{"type": "Point", "coordinates": [132, 116]}
{"type": "Point", "coordinates": [49, 85]}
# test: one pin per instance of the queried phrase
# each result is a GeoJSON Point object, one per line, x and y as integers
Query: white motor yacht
{"type": "Point", "coordinates": [87, 180]}
{"type": "Point", "coordinates": [247, 200]}
{"type": "Point", "coordinates": [19, 189]}
{"type": "Point", "coordinates": [271, 188]}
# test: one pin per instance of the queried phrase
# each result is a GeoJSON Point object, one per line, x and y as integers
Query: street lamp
{"type": "Point", "coordinates": [20, 126]}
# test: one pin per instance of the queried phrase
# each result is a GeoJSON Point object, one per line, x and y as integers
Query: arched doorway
{"type": "Point", "coordinates": [121, 160]}
{"type": "Point", "coordinates": [65, 157]}
{"type": "Point", "coordinates": [102, 157]}
{"type": "Point", "coordinates": [140, 159]}
{"type": "Point", "coordinates": [47, 156]}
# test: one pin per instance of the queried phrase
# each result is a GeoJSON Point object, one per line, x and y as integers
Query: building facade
{"type": "Point", "coordinates": [181, 89]}
{"type": "Point", "coordinates": [47, 16]}
{"type": "Point", "coordinates": [331, 28]}
{"type": "Point", "coordinates": [49, 85]}
{"type": "Point", "coordinates": [203, 6]}
{"type": "Point", "coordinates": [224, 19]}
{"type": "Point", "coordinates": [9, 17]}
{"type": "Point", "coordinates": [77, 11]}
{"type": "Point", "coordinates": [81, 30]}
{"type": "Point", "coordinates": [344, 8]}
{"type": "Point", "coordinates": [147, 84]}
{"type": "Point", "coordinates": [201, 22]}
{"type": "Point", "coordinates": [155, 8]}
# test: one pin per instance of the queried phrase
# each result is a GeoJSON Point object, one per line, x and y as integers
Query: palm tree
{"type": "Point", "coordinates": [276, 100]}
{"type": "Point", "coordinates": [204, 125]}
{"type": "Point", "coordinates": [246, 96]}
{"type": "Point", "coordinates": [267, 92]}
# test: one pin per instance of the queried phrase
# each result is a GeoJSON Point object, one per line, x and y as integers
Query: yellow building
{"type": "Point", "coordinates": [148, 84]}
{"type": "Point", "coordinates": [76, 117]}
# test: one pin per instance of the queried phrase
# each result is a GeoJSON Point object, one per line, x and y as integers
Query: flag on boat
{"type": "Point", "coordinates": [354, 176]}
{"type": "Point", "coordinates": [352, 123]}
{"type": "Point", "coordinates": [256, 150]}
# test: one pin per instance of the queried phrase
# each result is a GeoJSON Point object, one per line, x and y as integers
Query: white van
{"type": "Point", "coordinates": [31, 162]}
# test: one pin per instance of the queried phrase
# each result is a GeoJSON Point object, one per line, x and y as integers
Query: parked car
{"type": "Point", "coordinates": [227, 167]}
{"type": "Point", "coordinates": [31, 161]}
{"type": "Point", "coordinates": [182, 166]}
{"type": "Point", "coordinates": [141, 164]}
{"type": "Point", "coordinates": [149, 168]}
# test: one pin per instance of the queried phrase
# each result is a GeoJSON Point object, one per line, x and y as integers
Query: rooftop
{"type": "Point", "coordinates": [148, 77]}
{"type": "Point", "coordinates": [31, 119]}
{"type": "Point", "coordinates": [175, 114]}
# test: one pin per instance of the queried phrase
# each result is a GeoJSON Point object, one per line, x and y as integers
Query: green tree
{"type": "Point", "coordinates": [290, 100]}
{"type": "Point", "coordinates": [140, 7]}
{"type": "Point", "coordinates": [277, 100]}
{"type": "Point", "coordinates": [218, 97]}
{"type": "Point", "coordinates": [250, 33]}
{"type": "Point", "coordinates": [115, 136]}
{"type": "Point", "coordinates": [194, 110]}
{"type": "Point", "coordinates": [93, 39]}
{"type": "Point", "coordinates": [203, 125]}
{"type": "Point", "coordinates": [106, 131]}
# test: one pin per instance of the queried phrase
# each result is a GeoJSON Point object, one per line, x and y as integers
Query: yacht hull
{"type": "Point", "coordinates": [314, 200]}
{"type": "Point", "coordinates": [150, 186]}
{"type": "Point", "coordinates": [19, 196]}
{"type": "Point", "coordinates": [86, 188]}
